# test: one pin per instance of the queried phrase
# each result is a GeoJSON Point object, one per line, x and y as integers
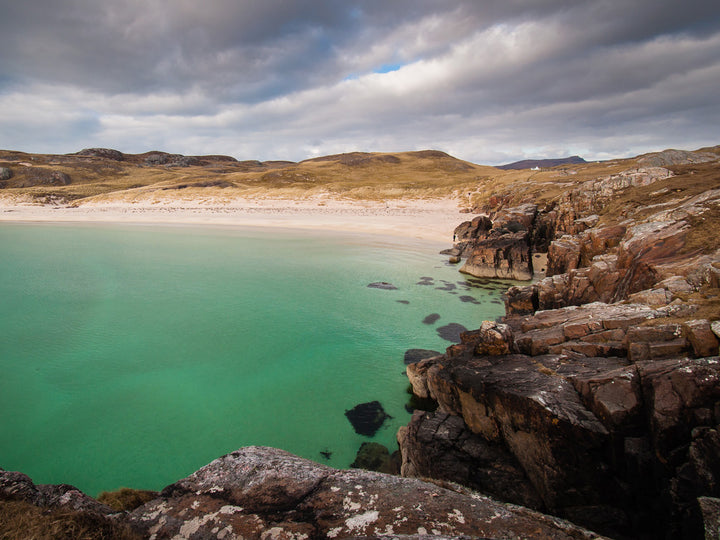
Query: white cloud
{"type": "Point", "coordinates": [489, 82]}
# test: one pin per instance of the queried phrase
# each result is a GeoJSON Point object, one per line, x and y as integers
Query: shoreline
{"type": "Point", "coordinates": [427, 220]}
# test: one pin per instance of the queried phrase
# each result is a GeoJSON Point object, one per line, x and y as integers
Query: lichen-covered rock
{"type": "Point", "coordinates": [107, 153]}
{"type": "Point", "coordinates": [236, 494]}
{"type": "Point", "coordinates": [16, 486]}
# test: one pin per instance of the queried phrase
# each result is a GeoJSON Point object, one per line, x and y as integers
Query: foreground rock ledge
{"type": "Point", "coordinates": [259, 492]}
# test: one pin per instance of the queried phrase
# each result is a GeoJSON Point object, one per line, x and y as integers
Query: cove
{"type": "Point", "coordinates": [132, 355]}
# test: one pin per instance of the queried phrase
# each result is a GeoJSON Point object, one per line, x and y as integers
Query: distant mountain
{"type": "Point", "coordinates": [531, 163]}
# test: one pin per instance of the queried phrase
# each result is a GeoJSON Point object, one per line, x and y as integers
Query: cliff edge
{"type": "Point", "coordinates": [597, 397]}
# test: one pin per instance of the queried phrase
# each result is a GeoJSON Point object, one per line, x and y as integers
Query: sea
{"type": "Point", "coordinates": [132, 355]}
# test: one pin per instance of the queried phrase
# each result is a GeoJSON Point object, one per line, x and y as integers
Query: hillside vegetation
{"type": "Point", "coordinates": [108, 176]}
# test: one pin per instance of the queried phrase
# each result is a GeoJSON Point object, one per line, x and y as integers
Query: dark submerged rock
{"type": "Point", "coordinates": [367, 418]}
{"type": "Point", "coordinates": [415, 355]}
{"type": "Point", "coordinates": [451, 332]}
{"type": "Point", "coordinates": [431, 319]}
{"type": "Point", "coordinates": [374, 456]}
{"type": "Point", "coordinates": [384, 285]}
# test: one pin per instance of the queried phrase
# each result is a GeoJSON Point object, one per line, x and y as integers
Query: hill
{"type": "Point", "coordinates": [542, 163]}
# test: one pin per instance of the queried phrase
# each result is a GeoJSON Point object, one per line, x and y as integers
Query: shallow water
{"type": "Point", "coordinates": [133, 355]}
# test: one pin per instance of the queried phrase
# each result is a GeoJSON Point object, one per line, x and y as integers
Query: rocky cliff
{"type": "Point", "coordinates": [597, 397]}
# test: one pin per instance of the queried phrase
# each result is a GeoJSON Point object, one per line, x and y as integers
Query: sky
{"type": "Point", "coordinates": [488, 81]}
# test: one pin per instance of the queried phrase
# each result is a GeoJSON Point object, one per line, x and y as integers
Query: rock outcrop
{"type": "Point", "coordinates": [586, 416]}
{"type": "Point", "coordinates": [262, 493]}
{"type": "Point", "coordinates": [170, 160]}
{"type": "Point", "coordinates": [597, 397]}
{"type": "Point", "coordinates": [498, 247]}
{"type": "Point", "coordinates": [106, 153]}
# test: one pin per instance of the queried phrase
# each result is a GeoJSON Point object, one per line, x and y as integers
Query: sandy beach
{"type": "Point", "coordinates": [430, 220]}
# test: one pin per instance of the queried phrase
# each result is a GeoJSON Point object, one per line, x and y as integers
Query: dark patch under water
{"type": "Point", "coordinates": [383, 285]}
{"type": "Point", "coordinates": [451, 332]}
{"type": "Point", "coordinates": [431, 319]}
{"type": "Point", "coordinates": [447, 287]}
{"type": "Point", "coordinates": [415, 355]}
{"type": "Point", "coordinates": [367, 418]}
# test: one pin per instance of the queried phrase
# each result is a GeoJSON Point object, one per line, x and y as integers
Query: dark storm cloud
{"type": "Point", "coordinates": [287, 79]}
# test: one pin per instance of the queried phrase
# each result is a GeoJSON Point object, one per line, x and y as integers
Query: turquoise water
{"type": "Point", "coordinates": [133, 355]}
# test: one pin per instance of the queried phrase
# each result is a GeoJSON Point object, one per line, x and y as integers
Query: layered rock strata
{"type": "Point", "coordinates": [597, 397]}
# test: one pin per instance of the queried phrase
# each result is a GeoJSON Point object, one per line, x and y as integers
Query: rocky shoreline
{"type": "Point", "coordinates": [596, 398]}
{"type": "Point", "coordinates": [594, 404]}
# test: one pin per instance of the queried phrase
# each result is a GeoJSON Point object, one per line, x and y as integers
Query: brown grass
{"type": "Point", "coordinates": [23, 521]}
{"type": "Point", "coordinates": [376, 176]}
{"type": "Point", "coordinates": [126, 499]}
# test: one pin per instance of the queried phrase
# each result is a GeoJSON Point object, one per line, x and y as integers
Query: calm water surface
{"type": "Point", "coordinates": [133, 355]}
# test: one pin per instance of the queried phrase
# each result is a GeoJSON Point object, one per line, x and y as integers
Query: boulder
{"type": "Point", "coordinates": [262, 491]}
{"type": "Point", "coordinates": [5, 173]}
{"type": "Point", "coordinates": [703, 340]}
{"type": "Point", "coordinates": [259, 492]}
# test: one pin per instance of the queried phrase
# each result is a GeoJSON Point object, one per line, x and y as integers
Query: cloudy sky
{"type": "Point", "coordinates": [489, 81]}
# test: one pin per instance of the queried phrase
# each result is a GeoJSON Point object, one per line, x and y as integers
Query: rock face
{"type": "Point", "coordinates": [597, 397]}
{"type": "Point", "coordinates": [571, 423]}
{"type": "Point", "coordinates": [259, 492]}
{"type": "Point", "coordinates": [5, 173]}
{"type": "Point", "coordinates": [498, 247]}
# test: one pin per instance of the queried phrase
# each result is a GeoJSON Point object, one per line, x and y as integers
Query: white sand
{"type": "Point", "coordinates": [430, 220]}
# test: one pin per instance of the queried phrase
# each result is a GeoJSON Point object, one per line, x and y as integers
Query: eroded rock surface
{"type": "Point", "coordinates": [262, 493]}
{"type": "Point", "coordinates": [256, 492]}
{"type": "Point", "coordinates": [596, 397]}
